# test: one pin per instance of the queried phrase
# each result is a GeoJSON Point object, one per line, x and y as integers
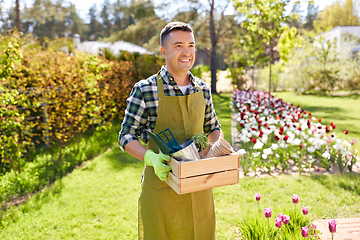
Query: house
{"type": "Point", "coordinates": [342, 34]}
{"type": "Point", "coordinates": [94, 46]}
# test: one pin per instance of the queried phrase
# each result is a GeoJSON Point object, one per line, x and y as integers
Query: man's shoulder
{"type": "Point", "coordinates": [202, 84]}
{"type": "Point", "coordinates": [144, 84]}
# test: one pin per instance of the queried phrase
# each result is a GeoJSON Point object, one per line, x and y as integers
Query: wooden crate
{"type": "Point", "coordinates": [192, 176]}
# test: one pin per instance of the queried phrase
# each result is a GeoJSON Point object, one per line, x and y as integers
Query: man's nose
{"type": "Point", "coordinates": [186, 51]}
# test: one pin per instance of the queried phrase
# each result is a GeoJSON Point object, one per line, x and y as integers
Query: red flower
{"type": "Point", "coordinates": [319, 119]}
{"type": "Point", "coordinates": [282, 129]}
{"type": "Point", "coordinates": [309, 113]}
{"type": "Point", "coordinates": [277, 138]}
{"type": "Point", "coordinates": [242, 125]}
{"type": "Point", "coordinates": [346, 131]}
{"type": "Point", "coordinates": [299, 128]}
{"type": "Point", "coordinates": [300, 146]}
{"type": "Point", "coordinates": [286, 138]}
{"type": "Point", "coordinates": [265, 124]}
{"type": "Point", "coordinates": [281, 132]}
{"type": "Point", "coordinates": [254, 140]}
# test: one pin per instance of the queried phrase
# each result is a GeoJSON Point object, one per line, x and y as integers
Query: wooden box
{"type": "Point", "coordinates": [192, 176]}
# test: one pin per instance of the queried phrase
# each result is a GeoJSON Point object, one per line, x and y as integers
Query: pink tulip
{"type": "Point", "coordinates": [332, 226]}
{"type": "Point", "coordinates": [305, 210]}
{"type": "Point", "coordinates": [286, 219]}
{"type": "Point", "coordinates": [278, 222]}
{"type": "Point", "coordinates": [353, 141]}
{"type": "Point", "coordinates": [267, 212]}
{"type": "Point", "coordinates": [295, 199]}
{"type": "Point", "coordinates": [280, 215]}
{"type": "Point", "coordinates": [257, 196]}
{"type": "Point", "coordinates": [305, 232]}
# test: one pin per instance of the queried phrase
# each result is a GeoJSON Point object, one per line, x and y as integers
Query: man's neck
{"type": "Point", "coordinates": [181, 79]}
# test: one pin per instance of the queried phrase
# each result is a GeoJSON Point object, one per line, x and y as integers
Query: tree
{"type": "Point", "coordinates": [105, 18]}
{"type": "Point", "coordinates": [17, 13]}
{"type": "Point", "coordinates": [94, 25]}
{"type": "Point", "coordinates": [311, 16]}
{"type": "Point", "coordinates": [296, 10]}
{"type": "Point", "coordinates": [264, 18]}
{"type": "Point", "coordinates": [341, 13]}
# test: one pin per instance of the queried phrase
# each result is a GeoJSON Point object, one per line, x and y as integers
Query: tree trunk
{"type": "Point", "coordinates": [213, 63]}
{"type": "Point", "coordinates": [17, 16]}
{"type": "Point", "coordinates": [271, 56]}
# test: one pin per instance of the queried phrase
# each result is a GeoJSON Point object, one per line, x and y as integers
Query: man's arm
{"type": "Point", "coordinates": [214, 135]}
{"type": "Point", "coordinates": [136, 149]}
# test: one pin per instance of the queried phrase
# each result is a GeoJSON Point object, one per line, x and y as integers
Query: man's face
{"type": "Point", "coordinates": [179, 52]}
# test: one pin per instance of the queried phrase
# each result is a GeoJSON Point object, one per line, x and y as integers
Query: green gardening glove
{"type": "Point", "coordinates": [158, 162]}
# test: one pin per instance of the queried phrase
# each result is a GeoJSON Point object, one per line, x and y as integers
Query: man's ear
{"type": "Point", "coordinates": [163, 51]}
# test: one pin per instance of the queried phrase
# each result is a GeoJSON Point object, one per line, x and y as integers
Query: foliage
{"type": "Point", "coordinates": [340, 13]}
{"type": "Point", "coordinates": [277, 82]}
{"type": "Point", "coordinates": [200, 70]}
{"type": "Point", "coordinates": [288, 42]}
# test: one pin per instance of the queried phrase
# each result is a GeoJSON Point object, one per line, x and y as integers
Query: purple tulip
{"type": "Point", "coordinates": [278, 222]}
{"type": "Point", "coordinates": [257, 196]}
{"type": "Point", "coordinates": [305, 232]}
{"type": "Point", "coordinates": [295, 199]}
{"type": "Point", "coordinates": [267, 212]}
{"type": "Point", "coordinates": [332, 226]}
{"type": "Point", "coordinates": [286, 219]}
{"type": "Point", "coordinates": [305, 210]}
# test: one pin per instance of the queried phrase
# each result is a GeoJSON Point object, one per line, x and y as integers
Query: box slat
{"type": "Point", "coordinates": [203, 182]}
{"type": "Point", "coordinates": [204, 166]}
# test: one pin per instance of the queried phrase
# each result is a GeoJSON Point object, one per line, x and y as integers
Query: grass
{"type": "Point", "coordinates": [344, 111]}
{"type": "Point", "coordinates": [99, 199]}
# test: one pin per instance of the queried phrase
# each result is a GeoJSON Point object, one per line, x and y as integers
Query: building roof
{"type": "Point", "coordinates": [94, 47]}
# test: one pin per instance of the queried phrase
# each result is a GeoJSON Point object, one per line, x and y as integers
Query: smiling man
{"type": "Point", "coordinates": [173, 98]}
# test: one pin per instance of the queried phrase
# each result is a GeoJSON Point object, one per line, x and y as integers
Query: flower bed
{"type": "Point", "coordinates": [278, 134]}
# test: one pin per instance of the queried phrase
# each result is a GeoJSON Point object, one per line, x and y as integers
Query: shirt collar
{"type": "Point", "coordinates": [169, 79]}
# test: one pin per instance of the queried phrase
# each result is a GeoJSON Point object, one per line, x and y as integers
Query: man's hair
{"type": "Point", "coordinates": [173, 26]}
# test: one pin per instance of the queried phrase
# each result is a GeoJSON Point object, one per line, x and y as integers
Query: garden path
{"type": "Point", "coordinates": [346, 229]}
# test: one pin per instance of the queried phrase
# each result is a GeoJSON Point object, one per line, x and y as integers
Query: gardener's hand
{"type": "Point", "coordinates": [158, 162]}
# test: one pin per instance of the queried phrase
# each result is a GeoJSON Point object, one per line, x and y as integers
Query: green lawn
{"type": "Point", "coordinates": [99, 199]}
{"type": "Point", "coordinates": [344, 111]}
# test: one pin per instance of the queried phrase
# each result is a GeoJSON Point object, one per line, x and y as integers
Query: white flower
{"type": "Point", "coordinates": [244, 139]}
{"type": "Point", "coordinates": [277, 155]}
{"type": "Point", "coordinates": [306, 136]}
{"type": "Point", "coordinates": [241, 152]}
{"type": "Point", "coordinates": [346, 144]}
{"type": "Point", "coordinates": [296, 141]}
{"type": "Point", "coordinates": [338, 141]}
{"type": "Point", "coordinates": [264, 156]}
{"type": "Point", "coordinates": [311, 140]}
{"type": "Point", "coordinates": [258, 145]}
{"type": "Point", "coordinates": [326, 155]}
{"type": "Point", "coordinates": [267, 151]}
{"type": "Point", "coordinates": [274, 146]}
{"type": "Point", "coordinates": [256, 154]}
{"type": "Point", "coordinates": [311, 149]}
{"type": "Point", "coordinates": [294, 155]}
{"type": "Point", "coordinates": [297, 132]}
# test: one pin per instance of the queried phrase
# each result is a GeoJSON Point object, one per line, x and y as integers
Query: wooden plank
{"type": "Point", "coordinates": [208, 181]}
{"type": "Point", "coordinates": [208, 165]}
{"type": "Point", "coordinates": [173, 182]}
{"type": "Point", "coordinates": [175, 166]}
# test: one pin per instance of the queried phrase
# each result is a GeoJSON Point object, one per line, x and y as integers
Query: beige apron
{"type": "Point", "coordinates": [163, 214]}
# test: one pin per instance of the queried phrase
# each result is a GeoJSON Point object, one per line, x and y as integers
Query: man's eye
{"type": "Point", "coordinates": [192, 46]}
{"type": "Point", "coordinates": [178, 46]}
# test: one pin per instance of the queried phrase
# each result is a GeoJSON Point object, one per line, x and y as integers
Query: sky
{"type": "Point", "coordinates": [83, 5]}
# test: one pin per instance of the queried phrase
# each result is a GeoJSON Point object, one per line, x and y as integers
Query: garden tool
{"type": "Point", "coordinates": [161, 145]}
{"type": "Point", "coordinates": [173, 144]}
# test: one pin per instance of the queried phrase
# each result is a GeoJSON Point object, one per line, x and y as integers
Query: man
{"type": "Point", "coordinates": [173, 98]}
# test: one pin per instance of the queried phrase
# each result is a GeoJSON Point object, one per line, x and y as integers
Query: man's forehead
{"type": "Point", "coordinates": [181, 36]}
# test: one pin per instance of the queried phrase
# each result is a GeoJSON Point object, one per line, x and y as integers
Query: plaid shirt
{"type": "Point", "coordinates": [142, 106]}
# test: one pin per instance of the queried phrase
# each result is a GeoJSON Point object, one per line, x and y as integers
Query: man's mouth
{"type": "Point", "coordinates": [185, 61]}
